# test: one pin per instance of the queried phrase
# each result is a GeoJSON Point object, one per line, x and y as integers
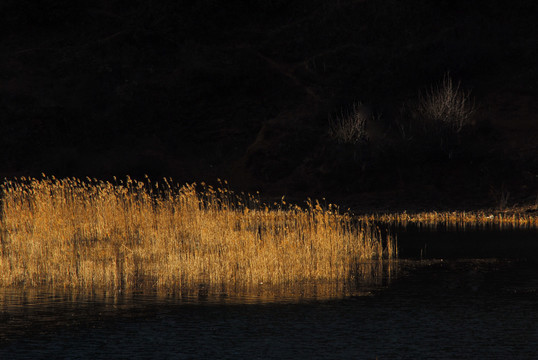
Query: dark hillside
{"type": "Point", "coordinates": [249, 91]}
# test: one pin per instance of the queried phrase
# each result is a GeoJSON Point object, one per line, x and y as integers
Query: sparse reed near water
{"type": "Point", "coordinates": [93, 234]}
{"type": "Point", "coordinates": [461, 221]}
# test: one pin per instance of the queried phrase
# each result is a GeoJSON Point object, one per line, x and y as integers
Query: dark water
{"type": "Point", "coordinates": [458, 308]}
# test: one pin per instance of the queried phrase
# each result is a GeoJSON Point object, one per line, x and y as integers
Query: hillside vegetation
{"type": "Point", "coordinates": [439, 98]}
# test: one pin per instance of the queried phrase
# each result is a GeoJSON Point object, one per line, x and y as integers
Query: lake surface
{"type": "Point", "coordinates": [465, 307]}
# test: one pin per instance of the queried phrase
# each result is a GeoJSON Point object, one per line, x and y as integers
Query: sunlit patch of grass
{"type": "Point", "coordinates": [459, 220]}
{"type": "Point", "coordinates": [74, 233]}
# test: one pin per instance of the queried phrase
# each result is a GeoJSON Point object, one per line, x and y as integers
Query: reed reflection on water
{"type": "Point", "coordinates": [39, 311]}
{"type": "Point", "coordinates": [463, 309]}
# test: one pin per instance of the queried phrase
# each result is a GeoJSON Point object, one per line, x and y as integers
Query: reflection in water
{"type": "Point", "coordinates": [368, 276]}
{"type": "Point", "coordinates": [435, 309]}
{"type": "Point", "coordinates": [38, 310]}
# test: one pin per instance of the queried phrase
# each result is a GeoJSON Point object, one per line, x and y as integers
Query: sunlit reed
{"type": "Point", "coordinates": [461, 221]}
{"type": "Point", "coordinates": [73, 233]}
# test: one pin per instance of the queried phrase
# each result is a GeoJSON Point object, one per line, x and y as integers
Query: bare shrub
{"type": "Point", "coordinates": [446, 106]}
{"type": "Point", "coordinates": [349, 127]}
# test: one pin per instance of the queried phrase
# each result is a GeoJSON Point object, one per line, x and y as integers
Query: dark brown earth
{"type": "Point", "coordinates": [200, 90]}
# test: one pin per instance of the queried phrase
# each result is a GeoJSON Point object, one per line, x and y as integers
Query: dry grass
{"type": "Point", "coordinates": [131, 235]}
{"type": "Point", "coordinates": [88, 234]}
{"type": "Point", "coordinates": [457, 220]}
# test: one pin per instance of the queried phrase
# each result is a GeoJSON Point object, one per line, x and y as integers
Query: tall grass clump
{"type": "Point", "coordinates": [74, 233]}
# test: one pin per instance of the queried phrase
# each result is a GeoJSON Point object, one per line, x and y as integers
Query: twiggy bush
{"type": "Point", "coordinates": [94, 234]}
{"type": "Point", "coordinates": [445, 107]}
{"type": "Point", "coordinates": [349, 127]}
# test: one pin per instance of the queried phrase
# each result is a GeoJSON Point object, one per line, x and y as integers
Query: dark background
{"type": "Point", "coordinates": [244, 90]}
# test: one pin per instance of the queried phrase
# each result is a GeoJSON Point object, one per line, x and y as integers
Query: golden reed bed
{"type": "Point", "coordinates": [128, 235]}
{"type": "Point", "coordinates": [88, 234]}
